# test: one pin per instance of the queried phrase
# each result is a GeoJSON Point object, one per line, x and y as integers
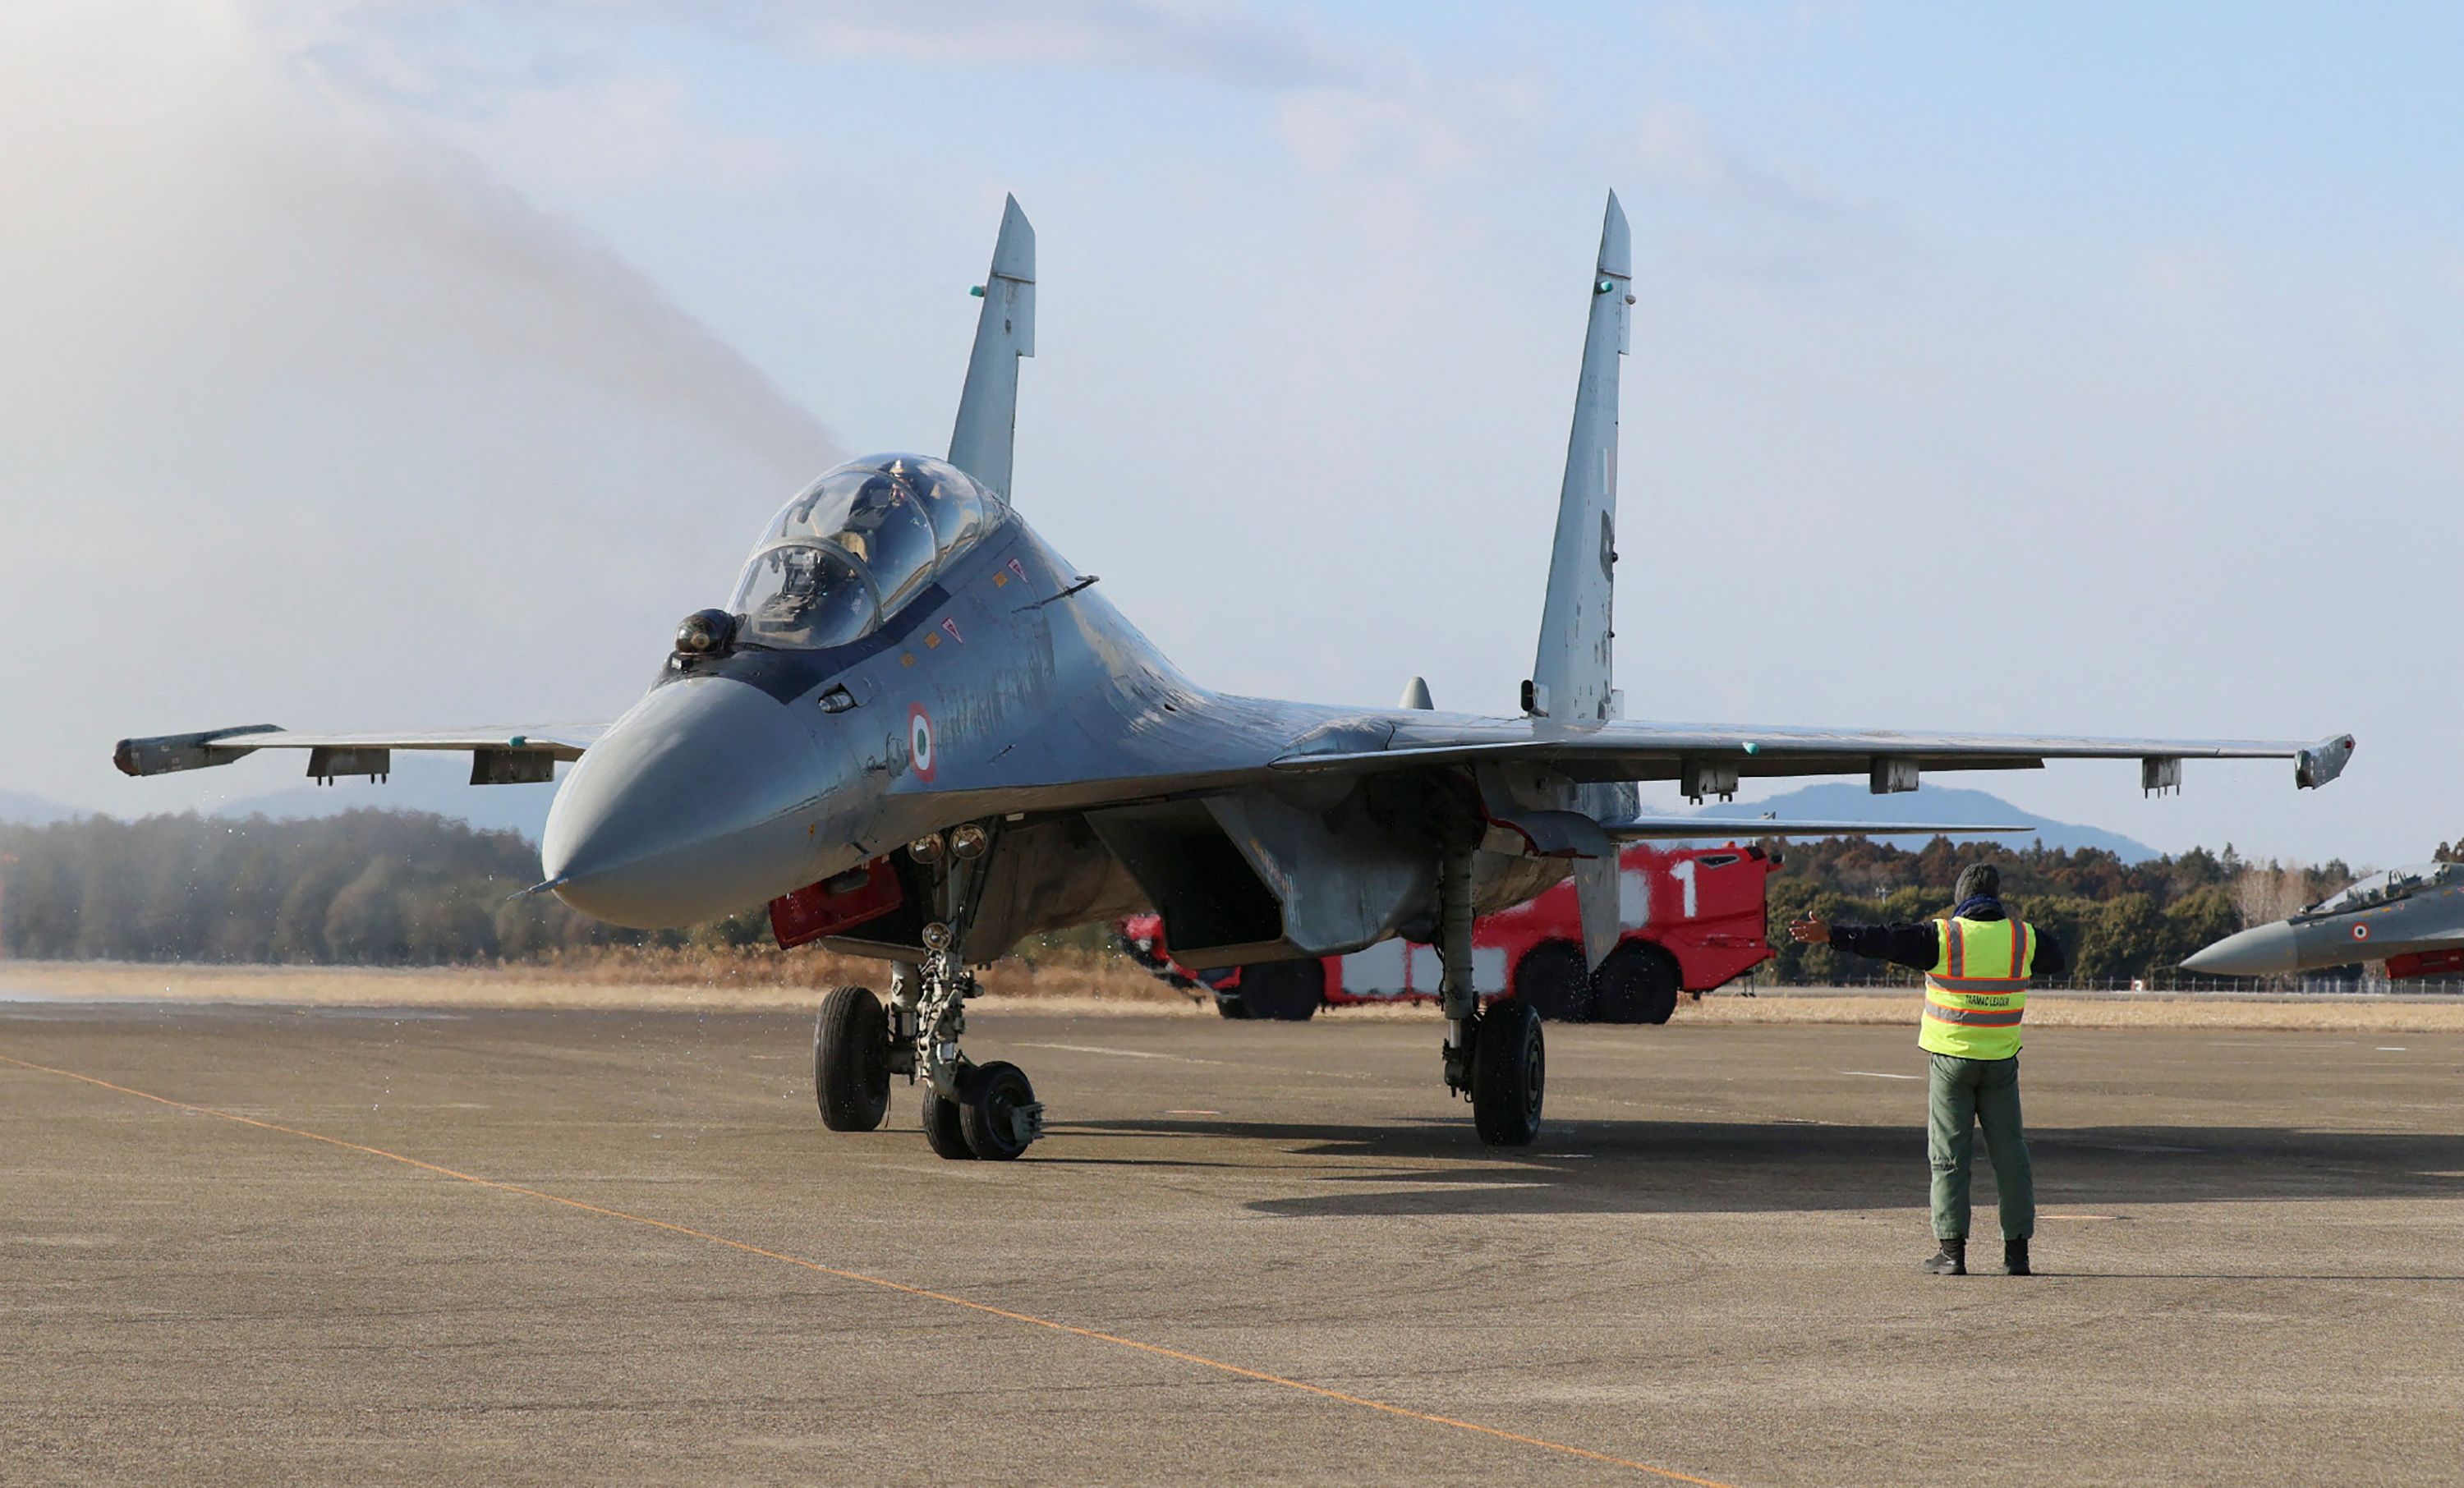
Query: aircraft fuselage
{"type": "Point", "coordinates": [2412, 917]}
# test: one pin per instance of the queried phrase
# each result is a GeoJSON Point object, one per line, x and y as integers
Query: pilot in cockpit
{"type": "Point", "coordinates": [798, 582]}
{"type": "Point", "coordinates": [867, 511]}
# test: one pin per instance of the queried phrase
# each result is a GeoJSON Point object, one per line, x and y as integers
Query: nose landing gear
{"type": "Point", "coordinates": [969, 1111]}
{"type": "Point", "coordinates": [852, 1060]}
{"type": "Point", "coordinates": [1001, 1113]}
{"type": "Point", "coordinates": [996, 1120]}
{"type": "Point", "coordinates": [945, 1126]}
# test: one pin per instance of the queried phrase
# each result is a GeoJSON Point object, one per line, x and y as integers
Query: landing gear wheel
{"type": "Point", "coordinates": [999, 1114]}
{"type": "Point", "coordinates": [1287, 992]}
{"type": "Point", "coordinates": [1637, 984]}
{"type": "Point", "coordinates": [945, 1126]}
{"type": "Point", "coordinates": [851, 1061]}
{"type": "Point", "coordinates": [1509, 1069]}
{"type": "Point", "coordinates": [1552, 982]}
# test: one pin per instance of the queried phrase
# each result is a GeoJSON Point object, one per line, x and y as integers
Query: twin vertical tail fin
{"type": "Point", "coordinates": [981, 444]}
{"type": "Point", "coordinates": [1571, 678]}
{"type": "Point", "coordinates": [1574, 674]}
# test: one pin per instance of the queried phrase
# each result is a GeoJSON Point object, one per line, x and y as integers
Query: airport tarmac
{"type": "Point", "coordinates": [286, 1245]}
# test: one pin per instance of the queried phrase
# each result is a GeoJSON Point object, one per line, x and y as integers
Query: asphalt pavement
{"type": "Point", "coordinates": [284, 1245]}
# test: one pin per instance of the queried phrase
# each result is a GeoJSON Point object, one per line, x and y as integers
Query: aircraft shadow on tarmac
{"type": "Point", "coordinates": [1647, 1167]}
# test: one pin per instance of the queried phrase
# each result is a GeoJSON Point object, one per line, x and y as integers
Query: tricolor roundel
{"type": "Point", "coordinates": [919, 741]}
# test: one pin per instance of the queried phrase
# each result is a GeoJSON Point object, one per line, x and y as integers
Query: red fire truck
{"type": "Point", "coordinates": [1693, 920]}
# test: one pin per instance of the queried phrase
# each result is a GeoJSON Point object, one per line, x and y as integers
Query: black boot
{"type": "Point", "coordinates": [1950, 1260]}
{"type": "Point", "coordinates": [2014, 1259]}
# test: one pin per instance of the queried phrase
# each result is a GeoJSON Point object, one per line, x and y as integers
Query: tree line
{"type": "Point", "coordinates": [409, 888]}
{"type": "Point", "coordinates": [365, 888]}
{"type": "Point", "coordinates": [2118, 920]}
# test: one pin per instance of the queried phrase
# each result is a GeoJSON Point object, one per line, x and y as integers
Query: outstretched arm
{"type": "Point", "coordinates": [1915, 946]}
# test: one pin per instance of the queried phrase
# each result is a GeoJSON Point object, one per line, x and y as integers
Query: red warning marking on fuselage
{"type": "Point", "coordinates": [1015, 567]}
{"type": "Point", "coordinates": [952, 626]}
{"type": "Point", "coordinates": [2360, 932]}
{"type": "Point", "coordinates": [919, 741]}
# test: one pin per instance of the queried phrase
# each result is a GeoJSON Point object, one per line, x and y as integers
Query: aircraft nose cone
{"type": "Point", "coordinates": [2261, 950]}
{"type": "Point", "coordinates": [702, 800]}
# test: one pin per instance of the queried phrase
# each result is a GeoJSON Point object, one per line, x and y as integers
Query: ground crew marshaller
{"type": "Point", "coordinates": [1977, 962]}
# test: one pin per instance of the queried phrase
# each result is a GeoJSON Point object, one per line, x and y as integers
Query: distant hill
{"type": "Point", "coordinates": [20, 809]}
{"type": "Point", "coordinates": [1843, 802]}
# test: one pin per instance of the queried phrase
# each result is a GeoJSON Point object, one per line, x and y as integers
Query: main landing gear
{"type": "Point", "coordinates": [1496, 1056]}
{"type": "Point", "coordinates": [986, 1112]}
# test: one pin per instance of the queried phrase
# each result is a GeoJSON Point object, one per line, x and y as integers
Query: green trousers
{"type": "Point", "coordinates": [1963, 1094]}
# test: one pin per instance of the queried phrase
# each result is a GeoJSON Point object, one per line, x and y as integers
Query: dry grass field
{"type": "Point", "coordinates": [1073, 982]}
{"type": "Point", "coordinates": [745, 983]}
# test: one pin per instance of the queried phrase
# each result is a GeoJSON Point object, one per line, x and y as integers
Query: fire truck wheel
{"type": "Point", "coordinates": [1550, 980]}
{"type": "Point", "coordinates": [1509, 1070]}
{"type": "Point", "coordinates": [1228, 1004]}
{"type": "Point", "coordinates": [1287, 992]}
{"type": "Point", "coordinates": [1637, 984]}
{"type": "Point", "coordinates": [851, 1061]}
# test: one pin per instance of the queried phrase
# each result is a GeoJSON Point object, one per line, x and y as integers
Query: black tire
{"type": "Point", "coordinates": [851, 1061]}
{"type": "Point", "coordinates": [1552, 982]}
{"type": "Point", "coordinates": [945, 1126]}
{"type": "Point", "coordinates": [1636, 984]}
{"type": "Point", "coordinates": [1287, 992]}
{"type": "Point", "coordinates": [1228, 1004]}
{"type": "Point", "coordinates": [994, 1099]}
{"type": "Point", "coordinates": [1509, 1073]}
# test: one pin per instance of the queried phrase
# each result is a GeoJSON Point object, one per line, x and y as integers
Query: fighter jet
{"type": "Point", "coordinates": [921, 735]}
{"type": "Point", "coordinates": [2411, 918]}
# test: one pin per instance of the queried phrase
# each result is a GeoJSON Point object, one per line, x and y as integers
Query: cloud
{"type": "Point", "coordinates": [328, 425]}
{"type": "Point", "coordinates": [1748, 220]}
{"type": "Point", "coordinates": [1230, 45]}
{"type": "Point", "coordinates": [1335, 131]}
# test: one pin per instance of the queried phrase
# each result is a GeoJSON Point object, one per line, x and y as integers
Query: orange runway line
{"type": "Point", "coordinates": [927, 1293]}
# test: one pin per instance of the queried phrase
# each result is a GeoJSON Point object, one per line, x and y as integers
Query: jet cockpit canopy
{"type": "Point", "coordinates": [856, 546]}
{"type": "Point", "coordinates": [2388, 887]}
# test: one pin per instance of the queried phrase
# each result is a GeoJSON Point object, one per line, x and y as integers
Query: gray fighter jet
{"type": "Point", "coordinates": [2411, 918]}
{"type": "Point", "coordinates": [921, 735]}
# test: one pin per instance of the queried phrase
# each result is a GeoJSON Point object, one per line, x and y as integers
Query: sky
{"type": "Point", "coordinates": [2080, 368]}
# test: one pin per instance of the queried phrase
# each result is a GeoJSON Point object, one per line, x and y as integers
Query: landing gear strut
{"type": "Point", "coordinates": [1497, 1058]}
{"type": "Point", "coordinates": [968, 1111]}
{"type": "Point", "coordinates": [988, 1112]}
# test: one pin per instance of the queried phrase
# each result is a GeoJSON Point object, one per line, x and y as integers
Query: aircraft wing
{"type": "Point", "coordinates": [500, 753]}
{"type": "Point", "coordinates": [1708, 759]}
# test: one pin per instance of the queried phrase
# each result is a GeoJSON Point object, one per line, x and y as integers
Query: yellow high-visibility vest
{"type": "Point", "coordinates": [1977, 991]}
